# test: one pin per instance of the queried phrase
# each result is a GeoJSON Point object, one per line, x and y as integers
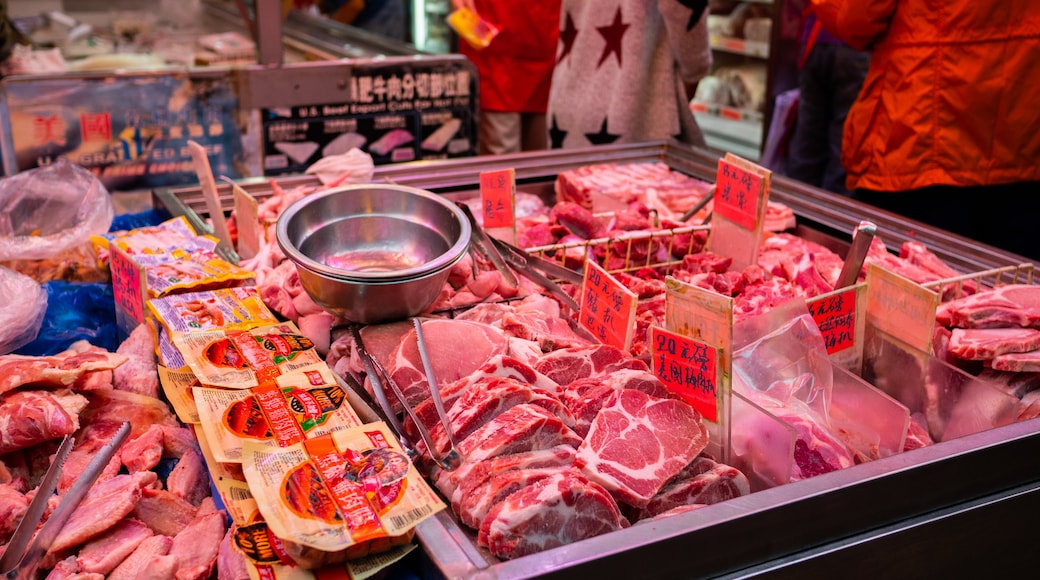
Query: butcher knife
{"type": "Point", "coordinates": [30, 559]}
{"type": "Point", "coordinates": [861, 240]}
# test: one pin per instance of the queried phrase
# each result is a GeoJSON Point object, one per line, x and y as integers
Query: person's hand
{"type": "Point", "coordinates": [458, 4]}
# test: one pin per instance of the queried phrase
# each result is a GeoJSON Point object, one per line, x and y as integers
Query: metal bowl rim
{"type": "Point", "coordinates": [448, 258]}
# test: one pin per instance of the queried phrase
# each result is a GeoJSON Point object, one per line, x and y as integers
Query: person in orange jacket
{"type": "Point", "coordinates": [515, 72]}
{"type": "Point", "coordinates": [946, 129]}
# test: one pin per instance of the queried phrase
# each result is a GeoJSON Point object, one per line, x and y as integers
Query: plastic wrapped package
{"type": "Point", "coordinates": [19, 319]}
{"type": "Point", "coordinates": [75, 311]}
{"type": "Point", "coordinates": [50, 210]}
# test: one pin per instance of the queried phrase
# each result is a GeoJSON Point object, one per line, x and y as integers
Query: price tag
{"type": "Point", "coordinates": [835, 315]}
{"type": "Point", "coordinates": [497, 195]}
{"type": "Point", "coordinates": [608, 309]}
{"type": "Point", "coordinates": [900, 307]}
{"type": "Point", "coordinates": [688, 368]}
{"type": "Point", "coordinates": [247, 222]}
{"type": "Point", "coordinates": [741, 199]}
{"type": "Point", "coordinates": [128, 289]}
{"type": "Point", "coordinates": [738, 193]}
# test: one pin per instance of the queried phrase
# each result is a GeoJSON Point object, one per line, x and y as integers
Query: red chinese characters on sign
{"type": "Point", "coordinates": [50, 129]}
{"type": "Point", "coordinates": [497, 192]}
{"type": "Point", "coordinates": [127, 285]}
{"type": "Point", "coordinates": [835, 315]}
{"type": "Point", "coordinates": [607, 307]}
{"type": "Point", "coordinates": [737, 194]}
{"type": "Point", "coordinates": [688, 369]}
{"type": "Point", "coordinates": [95, 127]}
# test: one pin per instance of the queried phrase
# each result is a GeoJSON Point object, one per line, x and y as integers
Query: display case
{"type": "Point", "coordinates": [961, 507]}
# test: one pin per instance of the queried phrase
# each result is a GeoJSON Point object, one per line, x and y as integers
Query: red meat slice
{"type": "Point", "coordinates": [476, 505]}
{"type": "Point", "coordinates": [589, 395]}
{"type": "Point", "coordinates": [556, 511]}
{"type": "Point", "coordinates": [149, 560]}
{"type": "Point", "coordinates": [986, 343]}
{"type": "Point", "coordinates": [816, 450]}
{"type": "Point", "coordinates": [457, 348]}
{"type": "Point", "coordinates": [638, 442]}
{"type": "Point", "coordinates": [720, 483]}
{"type": "Point", "coordinates": [475, 474]}
{"type": "Point", "coordinates": [196, 546]}
{"type": "Point", "coordinates": [479, 406]}
{"type": "Point", "coordinates": [1022, 362]}
{"type": "Point", "coordinates": [189, 480]}
{"type": "Point", "coordinates": [13, 504]}
{"type": "Point", "coordinates": [60, 370]}
{"type": "Point", "coordinates": [102, 554]}
{"type": "Point", "coordinates": [1011, 305]}
{"type": "Point", "coordinates": [537, 318]}
{"type": "Point", "coordinates": [105, 504]}
{"type": "Point", "coordinates": [917, 435]}
{"type": "Point", "coordinates": [501, 366]}
{"type": "Point", "coordinates": [673, 512]}
{"type": "Point", "coordinates": [567, 365]}
{"type": "Point", "coordinates": [31, 417]}
{"type": "Point", "coordinates": [577, 219]}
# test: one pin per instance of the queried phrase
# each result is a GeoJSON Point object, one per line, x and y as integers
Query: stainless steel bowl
{"type": "Point", "coordinates": [373, 253]}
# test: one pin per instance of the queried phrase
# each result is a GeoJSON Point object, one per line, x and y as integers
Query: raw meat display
{"type": "Point", "coordinates": [31, 417]}
{"type": "Point", "coordinates": [1011, 305]}
{"type": "Point", "coordinates": [474, 474]}
{"type": "Point", "coordinates": [555, 511]}
{"type": "Point", "coordinates": [987, 343]}
{"type": "Point", "coordinates": [60, 370]}
{"type": "Point", "coordinates": [718, 483]}
{"type": "Point", "coordinates": [638, 442]}
{"type": "Point", "coordinates": [567, 365]}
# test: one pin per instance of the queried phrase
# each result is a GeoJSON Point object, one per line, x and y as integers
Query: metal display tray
{"type": "Point", "coordinates": [955, 508]}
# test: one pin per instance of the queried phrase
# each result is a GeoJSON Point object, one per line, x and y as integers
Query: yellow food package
{"type": "Point", "coordinates": [238, 308]}
{"type": "Point", "coordinates": [472, 28]}
{"type": "Point", "coordinates": [177, 385]}
{"type": "Point", "coordinates": [336, 491]}
{"type": "Point", "coordinates": [181, 270]}
{"type": "Point", "coordinates": [300, 404]}
{"type": "Point", "coordinates": [243, 359]}
{"type": "Point", "coordinates": [158, 239]}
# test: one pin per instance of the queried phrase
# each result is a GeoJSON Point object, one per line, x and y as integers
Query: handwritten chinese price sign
{"type": "Point", "coordinates": [737, 194]}
{"type": "Point", "coordinates": [608, 309]}
{"type": "Point", "coordinates": [835, 315]}
{"type": "Point", "coordinates": [497, 192]}
{"type": "Point", "coordinates": [688, 368]}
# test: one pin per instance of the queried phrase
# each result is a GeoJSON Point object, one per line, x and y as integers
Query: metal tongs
{"type": "Point", "coordinates": [21, 559]}
{"type": "Point", "coordinates": [698, 206]}
{"type": "Point", "coordinates": [483, 244]}
{"type": "Point", "coordinates": [379, 379]}
{"type": "Point", "coordinates": [862, 237]}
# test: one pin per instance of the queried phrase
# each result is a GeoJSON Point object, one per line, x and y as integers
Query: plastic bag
{"type": "Point", "coordinates": [77, 311]}
{"type": "Point", "coordinates": [49, 210]}
{"type": "Point", "coordinates": [21, 310]}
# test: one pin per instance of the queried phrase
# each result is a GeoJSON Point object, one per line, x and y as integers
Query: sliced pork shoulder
{"type": "Point", "coordinates": [1011, 305]}
{"type": "Point", "coordinates": [718, 484]}
{"type": "Point", "coordinates": [555, 511]}
{"type": "Point", "coordinates": [987, 343]}
{"type": "Point", "coordinates": [638, 442]}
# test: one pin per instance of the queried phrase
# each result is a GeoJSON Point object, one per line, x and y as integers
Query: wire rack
{"type": "Point", "coordinates": [961, 286]}
{"type": "Point", "coordinates": [661, 249]}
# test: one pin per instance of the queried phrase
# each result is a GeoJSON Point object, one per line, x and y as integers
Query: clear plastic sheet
{"type": "Point", "coordinates": [49, 210]}
{"type": "Point", "coordinates": [19, 318]}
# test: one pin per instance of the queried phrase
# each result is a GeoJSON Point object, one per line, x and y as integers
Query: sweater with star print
{"type": "Point", "coordinates": [621, 68]}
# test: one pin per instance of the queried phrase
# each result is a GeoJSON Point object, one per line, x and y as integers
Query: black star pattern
{"type": "Point", "coordinates": [601, 138]}
{"type": "Point", "coordinates": [556, 135]}
{"type": "Point", "coordinates": [698, 7]}
{"type": "Point", "coordinates": [567, 36]}
{"type": "Point", "coordinates": [612, 34]}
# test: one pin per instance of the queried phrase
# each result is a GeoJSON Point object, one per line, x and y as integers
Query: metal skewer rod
{"type": "Point", "coordinates": [431, 378]}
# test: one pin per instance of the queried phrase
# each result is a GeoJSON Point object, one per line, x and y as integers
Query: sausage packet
{"type": "Point", "coordinates": [244, 359]}
{"type": "Point", "coordinates": [336, 493]}
{"type": "Point", "coordinates": [181, 270]}
{"type": "Point", "coordinates": [177, 385]}
{"type": "Point", "coordinates": [238, 308]}
{"type": "Point", "coordinates": [159, 239]}
{"type": "Point", "coordinates": [297, 405]}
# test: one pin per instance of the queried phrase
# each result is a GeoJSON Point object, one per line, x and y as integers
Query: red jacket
{"type": "Point", "coordinates": [516, 68]}
{"type": "Point", "coordinates": [952, 96]}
